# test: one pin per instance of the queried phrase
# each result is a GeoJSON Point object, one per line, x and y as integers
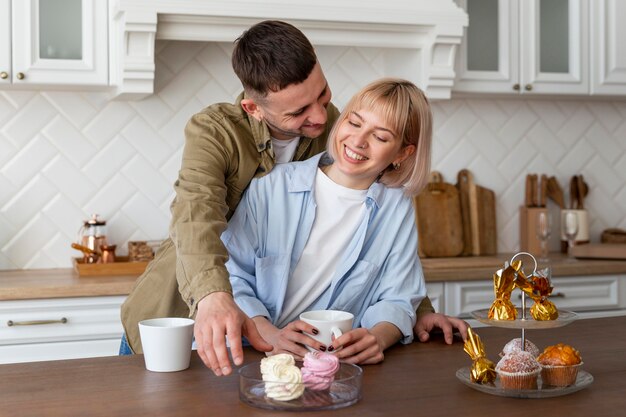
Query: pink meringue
{"type": "Point", "coordinates": [318, 370]}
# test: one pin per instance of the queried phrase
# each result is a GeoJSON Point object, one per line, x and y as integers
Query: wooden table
{"type": "Point", "coordinates": [417, 379]}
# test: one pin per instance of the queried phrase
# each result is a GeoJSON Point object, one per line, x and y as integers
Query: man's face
{"type": "Point", "coordinates": [298, 109]}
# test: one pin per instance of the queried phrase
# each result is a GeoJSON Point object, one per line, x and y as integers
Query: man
{"type": "Point", "coordinates": [284, 114]}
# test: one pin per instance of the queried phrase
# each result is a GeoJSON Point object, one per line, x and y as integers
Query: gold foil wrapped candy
{"type": "Point", "coordinates": [482, 370]}
{"type": "Point", "coordinates": [503, 284]}
{"type": "Point", "coordinates": [538, 288]}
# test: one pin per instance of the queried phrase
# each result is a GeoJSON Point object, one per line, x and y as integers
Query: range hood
{"type": "Point", "coordinates": [419, 37]}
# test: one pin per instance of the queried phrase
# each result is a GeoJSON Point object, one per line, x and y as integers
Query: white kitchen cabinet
{"type": "Point", "coordinates": [608, 40]}
{"type": "Point", "coordinates": [60, 328]}
{"type": "Point", "coordinates": [589, 296]}
{"type": "Point", "coordinates": [435, 294]}
{"type": "Point", "coordinates": [525, 47]}
{"type": "Point", "coordinates": [53, 43]}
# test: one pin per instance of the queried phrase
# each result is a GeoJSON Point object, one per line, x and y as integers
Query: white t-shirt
{"type": "Point", "coordinates": [338, 214]}
{"type": "Point", "coordinates": [284, 150]}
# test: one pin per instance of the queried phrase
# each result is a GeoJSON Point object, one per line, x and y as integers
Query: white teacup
{"type": "Point", "coordinates": [330, 324]}
{"type": "Point", "coordinates": [166, 343]}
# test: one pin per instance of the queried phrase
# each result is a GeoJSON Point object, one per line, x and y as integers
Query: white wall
{"type": "Point", "coordinates": [65, 155]}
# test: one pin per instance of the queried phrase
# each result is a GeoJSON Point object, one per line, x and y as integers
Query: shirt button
{"type": "Point", "coordinates": [191, 301]}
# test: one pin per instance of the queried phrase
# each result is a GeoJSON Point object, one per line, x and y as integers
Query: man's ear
{"type": "Point", "coordinates": [250, 107]}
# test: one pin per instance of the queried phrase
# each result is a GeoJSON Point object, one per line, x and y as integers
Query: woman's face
{"type": "Point", "coordinates": [364, 147]}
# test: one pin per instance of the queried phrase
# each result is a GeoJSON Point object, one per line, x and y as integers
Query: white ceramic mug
{"type": "Point", "coordinates": [330, 324]}
{"type": "Point", "coordinates": [166, 343]}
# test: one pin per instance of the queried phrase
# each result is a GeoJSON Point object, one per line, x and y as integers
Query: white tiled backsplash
{"type": "Point", "coordinates": [66, 155]}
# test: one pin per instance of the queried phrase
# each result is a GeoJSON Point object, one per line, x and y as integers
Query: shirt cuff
{"type": "Point", "coordinates": [393, 313]}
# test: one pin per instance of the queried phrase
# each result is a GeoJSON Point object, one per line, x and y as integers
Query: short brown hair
{"type": "Point", "coordinates": [272, 55]}
{"type": "Point", "coordinates": [407, 111]}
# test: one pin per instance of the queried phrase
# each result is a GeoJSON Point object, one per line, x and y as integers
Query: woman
{"type": "Point", "coordinates": [338, 231]}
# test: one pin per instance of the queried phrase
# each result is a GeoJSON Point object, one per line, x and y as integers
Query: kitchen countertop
{"type": "Point", "coordinates": [414, 379]}
{"type": "Point", "coordinates": [57, 283]}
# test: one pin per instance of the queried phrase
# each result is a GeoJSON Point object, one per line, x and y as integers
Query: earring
{"type": "Point", "coordinates": [396, 166]}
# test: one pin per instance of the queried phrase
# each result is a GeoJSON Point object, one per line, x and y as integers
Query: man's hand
{"type": "Point", "coordinates": [219, 317]}
{"type": "Point", "coordinates": [427, 322]}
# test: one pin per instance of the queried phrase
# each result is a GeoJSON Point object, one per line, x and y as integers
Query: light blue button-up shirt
{"type": "Point", "coordinates": [379, 278]}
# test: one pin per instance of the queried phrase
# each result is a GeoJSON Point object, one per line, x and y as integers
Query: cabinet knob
{"type": "Point", "coordinates": [4, 75]}
{"type": "Point", "coordinates": [516, 87]}
{"type": "Point", "coordinates": [528, 87]}
{"type": "Point", "coordinates": [20, 76]}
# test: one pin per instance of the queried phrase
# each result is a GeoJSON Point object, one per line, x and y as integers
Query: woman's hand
{"type": "Point", "coordinates": [290, 339]}
{"type": "Point", "coordinates": [363, 346]}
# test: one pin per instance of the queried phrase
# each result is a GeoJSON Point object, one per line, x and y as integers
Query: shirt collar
{"type": "Point", "coordinates": [304, 178]}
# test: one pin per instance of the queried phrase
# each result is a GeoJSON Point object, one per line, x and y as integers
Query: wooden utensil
{"type": "Point", "coordinates": [573, 193]}
{"type": "Point", "coordinates": [555, 192]}
{"type": "Point", "coordinates": [439, 224]}
{"type": "Point", "coordinates": [543, 190]}
{"type": "Point", "coordinates": [487, 227]}
{"type": "Point", "coordinates": [463, 184]}
{"type": "Point", "coordinates": [581, 191]}
{"type": "Point", "coordinates": [534, 202]}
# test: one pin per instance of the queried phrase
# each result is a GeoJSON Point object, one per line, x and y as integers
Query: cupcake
{"type": "Point", "coordinates": [559, 365]}
{"type": "Point", "coordinates": [515, 345]}
{"type": "Point", "coordinates": [518, 370]}
{"type": "Point", "coordinates": [318, 370]}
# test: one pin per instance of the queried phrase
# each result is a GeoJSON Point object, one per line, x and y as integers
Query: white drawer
{"type": "Point", "coordinates": [86, 318]}
{"type": "Point", "coordinates": [464, 297]}
{"type": "Point", "coordinates": [601, 292]}
{"type": "Point", "coordinates": [593, 293]}
{"type": "Point", "coordinates": [36, 352]}
{"type": "Point", "coordinates": [435, 293]}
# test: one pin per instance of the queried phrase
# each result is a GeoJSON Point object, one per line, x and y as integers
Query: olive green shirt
{"type": "Point", "coordinates": [225, 148]}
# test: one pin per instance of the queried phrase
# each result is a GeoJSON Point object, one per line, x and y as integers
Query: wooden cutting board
{"type": "Point", "coordinates": [478, 206]}
{"type": "Point", "coordinates": [439, 223]}
{"type": "Point", "coordinates": [600, 251]}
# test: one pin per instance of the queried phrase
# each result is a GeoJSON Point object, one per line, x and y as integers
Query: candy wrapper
{"type": "Point", "coordinates": [503, 284]}
{"type": "Point", "coordinates": [538, 288]}
{"type": "Point", "coordinates": [483, 370]}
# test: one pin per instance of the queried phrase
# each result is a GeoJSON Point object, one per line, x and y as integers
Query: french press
{"type": "Point", "coordinates": [92, 234]}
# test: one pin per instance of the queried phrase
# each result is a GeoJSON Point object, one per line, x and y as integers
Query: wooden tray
{"type": "Point", "coordinates": [120, 267]}
{"type": "Point", "coordinates": [600, 251]}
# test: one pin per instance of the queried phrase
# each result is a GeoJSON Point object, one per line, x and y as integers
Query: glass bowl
{"type": "Point", "coordinates": [344, 391]}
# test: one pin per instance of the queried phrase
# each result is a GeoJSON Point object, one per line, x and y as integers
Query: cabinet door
{"type": "Point", "coordinates": [5, 41]}
{"type": "Point", "coordinates": [435, 294]}
{"type": "Point", "coordinates": [608, 34]}
{"type": "Point", "coordinates": [554, 45]}
{"type": "Point", "coordinates": [488, 59]}
{"type": "Point", "coordinates": [60, 42]}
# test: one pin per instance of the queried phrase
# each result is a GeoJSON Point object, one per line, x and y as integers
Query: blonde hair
{"type": "Point", "coordinates": [406, 110]}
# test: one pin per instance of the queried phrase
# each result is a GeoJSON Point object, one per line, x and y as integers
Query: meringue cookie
{"type": "Point", "coordinates": [318, 372]}
{"type": "Point", "coordinates": [283, 380]}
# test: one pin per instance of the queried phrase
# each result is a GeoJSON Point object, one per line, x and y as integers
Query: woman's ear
{"type": "Point", "coordinates": [404, 153]}
{"type": "Point", "coordinates": [250, 107]}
